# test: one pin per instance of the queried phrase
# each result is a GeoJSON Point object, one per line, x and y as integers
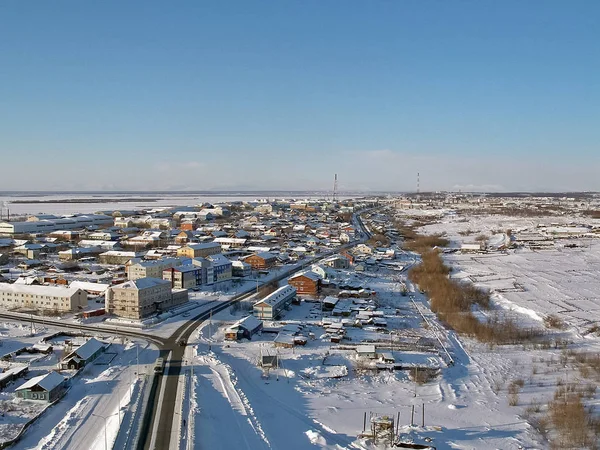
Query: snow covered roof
{"type": "Point", "coordinates": [47, 382]}
{"type": "Point", "coordinates": [88, 349]}
{"type": "Point", "coordinates": [218, 259]}
{"type": "Point", "coordinates": [249, 323]}
{"type": "Point", "coordinates": [308, 274]}
{"type": "Point", "coordinates": [203, 245]}
{"type": "Point", "coordinates": [89, 287]}
{"type": "Point", "coordinates": [142, 283]}
{"type": "Point", "coordinates": [54, 291]}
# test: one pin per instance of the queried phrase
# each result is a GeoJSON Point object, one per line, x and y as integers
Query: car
{"type": "Point", "coordinates": [182, 343]}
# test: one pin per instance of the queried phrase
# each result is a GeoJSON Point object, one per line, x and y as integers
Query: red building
{"type": "Point", "coordinates": [306, 283]}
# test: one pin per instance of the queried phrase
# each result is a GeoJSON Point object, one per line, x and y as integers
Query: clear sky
{"type": "Point", "coordinates": [282, 94]}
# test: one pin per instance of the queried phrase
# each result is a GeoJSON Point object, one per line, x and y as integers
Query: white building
{"type": "Point", "coordinates": [272, 305]}
{"type": "Point", "coordinates": [151, 269]}
{"type": "Point", "coordinates": [49, 298]}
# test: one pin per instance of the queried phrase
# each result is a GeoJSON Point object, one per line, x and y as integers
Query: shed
{"type": "Point", "coordinates": [243, 328]}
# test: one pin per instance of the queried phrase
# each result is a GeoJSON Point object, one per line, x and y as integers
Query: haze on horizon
{"type": "Point", "coordinates": [245, 95]}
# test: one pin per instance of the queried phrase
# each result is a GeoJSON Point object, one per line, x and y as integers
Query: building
{"type": "Point", "coordinates": [240, 269]}
{"type": "Point", "coordinates": [208, 276]}
{"type": "Point", "coordinates": [89, 287]}
{"type": "Point", "coordinates": [138, 299]}
{"type": "Point", "coordinates": [261, 261]}
{"type": "Point", "coordinates": [244, 328]}
{"type": "Point", "coordinates": [49, 387]}
{"type": "Point", "coordinates": [82, 355]}
{"type": "Point", "coordinates": [337, 262]}
{"type": "Point", "coordinates": [228, 243]}
{"type": "Point", "coordinates": [185, 277]}
{"type": "Point", "coordinates": [46, 226]}
{"type": "Point", "coordinates": [306, 283]}
{"type": "Point", "coordinates": [48, 298]}
{"type": "Point", "coordinates": [272, 305]}
{"type": "Point", "coordinates": [151, 269]}
{"type": "Point", "coordinates": [117, 257]}
{"type": "Point", "coordinates": [200, 250]}
{"type": "Point", "coordinates": [222, 268]}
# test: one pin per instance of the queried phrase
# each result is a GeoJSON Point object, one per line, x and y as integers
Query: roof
{"type": "Point", "coordinates": [88, 349]}
{"type": "Point", "coordinates": [308, 274]}
{"type": "Point", "coordinates": [47, 382]}
{"type": "Point", "coordinates": [249, 323]}
{"type": "Point", "coordinates": [218, 259]}
{"type": "Point", "coordinates": [88, 286]}
{"type": "Point", "coordinates": [203, 245]}
{"type": "Point", "coordinates": [280, 295]}
{"type": "Point", "coordinates": [54, 291]}
{"type": "Point", "coordinates": [142, 283]}
{"type": "Point", "coordinates": [365, 348]}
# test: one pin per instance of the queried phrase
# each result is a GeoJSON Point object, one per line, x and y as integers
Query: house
{"type": "Point", "coordinates": [200, 250]}
{"type": "Point", "coordinates": [82, 355]}
{"type": "Point", "coordinates": [12, 374]}
{"type": "Point", "coordinates": [185, 237]}
{"type": "Point", "coordinates": [49, 387]}
{"type": "Point", "coordinates": [337, 262]}
{"type": "Point", "coordinates": [366, 351]}
{"type": "Point", "coordinates": [243, 328]}
{"type": "Point", "coordinates": [261, 261]}
{"type": "Point", "coordinates": [228, 243]}
{"type": "Point", "coordinates": [273, 304]}
{"type": "Point", "coordinates": [306, 283]}
{"type": "Point", "coordinates": [284, 340]}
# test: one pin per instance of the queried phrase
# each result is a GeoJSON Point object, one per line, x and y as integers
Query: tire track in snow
{"type": "Point", "coordinates": [235, 396]}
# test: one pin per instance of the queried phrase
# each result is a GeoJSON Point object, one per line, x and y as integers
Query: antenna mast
{"type": "Point", "coordinates": [335, 188]}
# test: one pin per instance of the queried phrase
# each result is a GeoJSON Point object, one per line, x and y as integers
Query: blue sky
{"type": "Point", "coordinates": [474, 95]}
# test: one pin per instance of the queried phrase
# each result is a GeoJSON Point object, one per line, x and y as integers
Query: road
{"type": "Point", "coordinates": [157, 427]}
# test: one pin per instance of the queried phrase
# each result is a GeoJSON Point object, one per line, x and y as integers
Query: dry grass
{"type": "Point", "coordinates": [553, 321]}
{"type": "Point", "coordinates": [572, 422]}
{"type": "Point", "coordinates": [453, 303]}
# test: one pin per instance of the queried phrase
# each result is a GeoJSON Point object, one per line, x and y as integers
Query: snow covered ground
{"type": "Point", "coordinates": [98, 400]}
{"type": "Point", "coordinates": [318, 395]}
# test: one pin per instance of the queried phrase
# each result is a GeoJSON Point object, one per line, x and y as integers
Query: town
{"type": "Point", "coordinates": [320, 294]}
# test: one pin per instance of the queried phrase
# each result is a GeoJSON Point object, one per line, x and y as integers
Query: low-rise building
{"type": "Point", "coordinates": [82, 355]}
{"type": "Point", "coordinates": [200, 250]}
{"type": "Point", "coordinates": [48, 387]}
{"type": "Point", "coordinates": [240, 269]}
{"type": "Point", "coordinates": [261, 261]}
{"type": "Point", "coordinates": [272, 305]}
{"type": "Point", "coordinates": [306, 283]}
{"type": "Point", "coordinates": [118, 257]}
{"type": "Point", "coordinates": [244, 328]}
{"type": "Point", "coordinates": [138, 299]}
{"type": "Point", "coordinates": [151, 269]}
{"type": "Point", "coordinates": [48, 298]}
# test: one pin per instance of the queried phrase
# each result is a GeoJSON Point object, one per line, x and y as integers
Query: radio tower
{"type": "Point", "coordinates": [418, 184]}
{"type": "Point", "coordinates": [335, 187]}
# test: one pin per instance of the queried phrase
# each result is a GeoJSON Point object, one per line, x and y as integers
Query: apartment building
{"type": "Point", "coordinates": [138, 299]}
{"type": "Point", "coordinates": [45, 298]}
{"type": "Point", "coordinates": [150, 269]}
{"type": "Point", "coordinates": [200, 250]}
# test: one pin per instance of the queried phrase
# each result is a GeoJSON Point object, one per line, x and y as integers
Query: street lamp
{"type": "Point", "coordinates": [105, 429]}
